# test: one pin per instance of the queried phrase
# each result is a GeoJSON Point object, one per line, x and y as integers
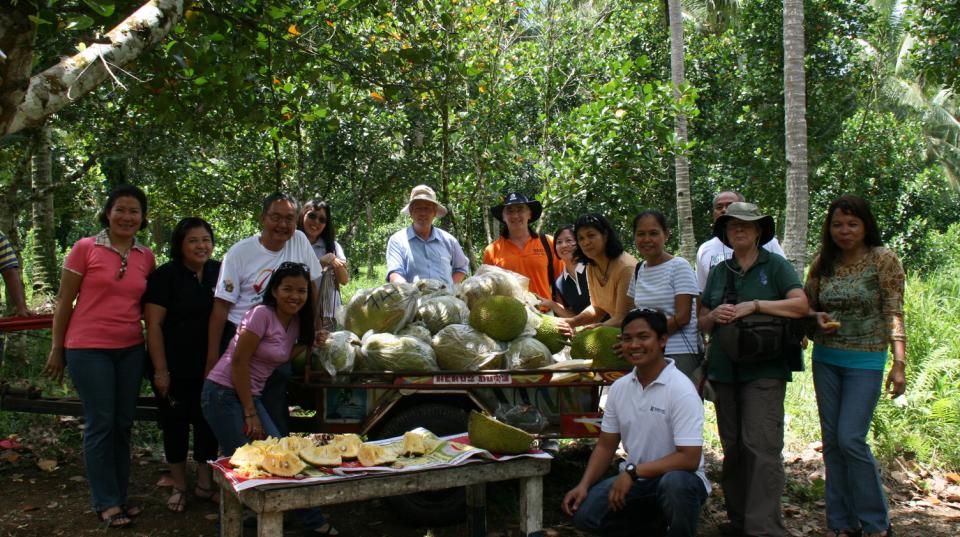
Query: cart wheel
{"type": "Point", "coordinates": [437, 507]}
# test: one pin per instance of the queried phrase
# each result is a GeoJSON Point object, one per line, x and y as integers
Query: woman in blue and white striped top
{"type": "Point", "coordinates": [666, 283]}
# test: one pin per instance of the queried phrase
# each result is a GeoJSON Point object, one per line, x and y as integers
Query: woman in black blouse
{"type": "Point", "coordinates": [177, 307]}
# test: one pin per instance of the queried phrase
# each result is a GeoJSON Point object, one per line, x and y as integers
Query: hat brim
{"type": "Point", "coordinates": [441, 210]}
{"type": "Point", "coordinates": [767, 227]}
{"type": "Point", "coordinates": [536, 209]}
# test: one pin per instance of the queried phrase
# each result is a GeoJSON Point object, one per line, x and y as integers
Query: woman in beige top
{"type": "Point", "coordinates": [609, 270]}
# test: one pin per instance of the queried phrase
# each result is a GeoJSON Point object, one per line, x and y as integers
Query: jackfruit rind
{"type": "Point", "coordinates": [429, 288]}
{"type": "Point", "coordinates": [418, 330]}
{"type": "Point", "coordinates": [282, 462]}
{"type": "Point", "coordinates": [440, 311]}
{"type": "Point", "coordinates": [382, 309]}
{"type": "Point", "coordinates": [497, 437]}
{"type": "Point", "coordinates": [348, 445]}
{"type": "Point", "coordinates": [549, 335]}
{"type": "Point", "coordinates": [527, 353]}
{"type": "Point", "coordinates": [597, 344]}
{"type": "Point", "coordinates": [374, 455]}
{"type": "Point", "coordinates": [459, 347]}
{"type": "Point", "coordinates": [338, 354]}
{"type": "Point", "coordinates": [501, 317]}
{"type": "Point", "coordinates": [327, 455]}
{"type": "Point", "coordinates": [387, 352]}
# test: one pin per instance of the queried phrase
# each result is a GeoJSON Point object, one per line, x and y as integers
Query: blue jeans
{"type": "Point", "coordinates": [224, 413]}
{"type": "Point", "coordinates": [274, 397]}
{"type": "Point", "coordinates": [846, 398]}
{"type": "Point", "coordinates": [108, 382]}
{"type": "Point", "coordinates": [666, 505]}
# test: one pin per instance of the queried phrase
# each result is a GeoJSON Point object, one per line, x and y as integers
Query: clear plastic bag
{"type": "Point", "coordinates": [338, 354]}
{"type": "Point", "coordinates": [387, 352]}
{"type": "Point", "coordinates": [459, 347]}
{"type": "Point", "coordinates": [382, 309]}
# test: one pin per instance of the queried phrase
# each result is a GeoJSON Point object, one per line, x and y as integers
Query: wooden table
{"type": "Point", "coordinates": [270, 501]}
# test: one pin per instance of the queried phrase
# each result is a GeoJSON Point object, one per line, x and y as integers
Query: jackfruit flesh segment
{"type": "Point", "coordinates": [374, 455]}
{"type": "Point", "coordinates": [597, 344]}
{"type": "Point", "coordinates": [348, 445]}
{"type": "Point", "coordinates": [295, 443]}
{"type": "Point", "coordinates": [549, 335]}
{"type": "Point", "coordinates": [497, 437]}
{"type": "Point", "coordinates": [327, 455]}
{"type": "Point", "coordinates": [417, 443]}
{"type": "Point", "coordinates": [246, 455]}
{"type": "Point", "coordinates": [282, 462]}
{"type": "Point", "coordinates": [501, 317]}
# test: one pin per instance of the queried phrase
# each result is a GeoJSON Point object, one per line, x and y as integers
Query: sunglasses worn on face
{"type": "Point", "coordinates": [318, 217]}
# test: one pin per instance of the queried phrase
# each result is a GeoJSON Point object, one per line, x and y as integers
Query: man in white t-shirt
{"type": "Point", "coordinates": [244, 274]}
{"type": "Point", "coordinates": [656, 412]}
{"type": "Point", "coordinates": [713, 251]}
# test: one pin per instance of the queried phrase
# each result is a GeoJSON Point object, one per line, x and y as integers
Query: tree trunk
{"type": "Point", "coordinates": [688, 242]}
{"type": "Point", "coordinates": [17, 36]}
{"type": "Point", "coordinates": [44, 267]}
{"type": "Point", "coordinates": [75, 76]}
{"type": "Point", "coordinates": [370, 264]}
{"type": "Point", "coordinates": [795, 108]}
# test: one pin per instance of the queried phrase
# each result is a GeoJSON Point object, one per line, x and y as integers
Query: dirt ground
{"type": "Point", "coordinates": [54, 500]}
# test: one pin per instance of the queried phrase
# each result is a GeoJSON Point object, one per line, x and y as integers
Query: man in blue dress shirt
{"type": "Point", "coordinates": [422, 251]}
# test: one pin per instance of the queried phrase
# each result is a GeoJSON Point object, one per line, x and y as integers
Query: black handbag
{"type": "Point", "coordinates": [758, 337]}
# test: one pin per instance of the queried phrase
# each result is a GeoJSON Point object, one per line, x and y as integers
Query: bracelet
{"type": "Point", "coordinates": [756, 306]}
{"type": "Point", "coordinates": [899, 361]}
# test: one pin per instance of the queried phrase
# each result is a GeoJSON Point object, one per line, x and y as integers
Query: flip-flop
{"type": "Point", "coordinates": [117, 520]}
{"type": "Point", "coordinates": [177, 502]}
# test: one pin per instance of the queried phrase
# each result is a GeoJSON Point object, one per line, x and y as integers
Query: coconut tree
{"type": "Point", "coordinates": [688, 242]}
{"type": "Point", "coordinates": [795, 122]}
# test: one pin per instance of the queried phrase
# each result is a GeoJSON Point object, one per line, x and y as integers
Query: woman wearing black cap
{"type": "Point", "coordinates": [749, 395]}
{"type": "Point", "coordinates": [520, 249]}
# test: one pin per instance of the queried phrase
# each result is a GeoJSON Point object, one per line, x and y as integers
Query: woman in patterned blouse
{"type": "Point", "coordinates": [855, 288]}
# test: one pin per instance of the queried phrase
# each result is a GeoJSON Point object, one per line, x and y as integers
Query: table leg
{"type": "Point", "coordinates": [477, 510]}
{"type": "Point", "coordinates": [270, 524]}
{"type": "Point", "coordinates": [531, 506]}
{"type": "Point", "coordinates": [231, 514]}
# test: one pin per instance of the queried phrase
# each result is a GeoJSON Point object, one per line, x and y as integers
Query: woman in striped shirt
{"type": "Point", "coordinates": [666, 283]}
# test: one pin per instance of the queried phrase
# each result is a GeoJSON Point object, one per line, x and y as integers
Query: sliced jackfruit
{"type": "Point", "coordinates": [597, 344]}
{"type": "Point", "coordinates": [501, 317]}
{"type": "Point", "coordinates": [374, 455]}
{"type": "Point", "coordinates": [282, 462]}
{"type": "Point", "coordinates": [246, 455]}
{"type": "Point", "coordinates": [417, 443]}
{"type": "Point", "coordinates": [497, 437]}
{"type": "Point", "coordinates": [348, 445]}
{"type": "Point", "coordinates": [295, 443]}
{"type": "Point", "coordinates": [327, 455]}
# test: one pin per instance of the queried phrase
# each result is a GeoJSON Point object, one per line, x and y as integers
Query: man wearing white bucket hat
{"type": "Point", "coordinates": [423, 251]}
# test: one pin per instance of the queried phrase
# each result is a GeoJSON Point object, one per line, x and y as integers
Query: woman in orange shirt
{"type": "Point", "coordinates": [520, 249]}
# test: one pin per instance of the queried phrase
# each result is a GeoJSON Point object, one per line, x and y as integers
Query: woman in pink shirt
{"type": "Point", "coordinates": [100, 340]}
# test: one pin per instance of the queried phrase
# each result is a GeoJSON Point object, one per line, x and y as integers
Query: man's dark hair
{"type": "Point", "coordinates": [279, 196]}
{"type": "Point", "coordinates": [613, 247]}
{"type": "Point", "coordinates": [655, 318]}
{"type": "Point", "coordinates": [180, 234]}
{"type": "Point", "coordinates": [126, 190]}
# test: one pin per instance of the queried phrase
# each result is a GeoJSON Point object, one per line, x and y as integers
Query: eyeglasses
{"type": "Point", "coordinates": [123, 266]}
{"type": "Point", "coordinates": [318, 217]}
{"type": "Point", "coordinates": [280, 219]}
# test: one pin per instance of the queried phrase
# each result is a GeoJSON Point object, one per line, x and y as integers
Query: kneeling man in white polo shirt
{"type": "Point", "coordinates": [656, 412]}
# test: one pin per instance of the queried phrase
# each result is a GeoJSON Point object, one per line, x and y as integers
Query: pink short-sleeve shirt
{"type": "Point", "coordinates": [276, 344]}
{"type": "Point", "coordinates": [107, 314]}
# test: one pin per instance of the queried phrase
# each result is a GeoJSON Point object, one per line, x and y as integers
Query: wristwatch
{"type": "Point", "coordinates": [631, 470]}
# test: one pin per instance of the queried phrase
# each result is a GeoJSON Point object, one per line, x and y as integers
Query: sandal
{"type": "Point", "coordinates": [120, 519]}
{"type": "Point", "coordinates": [177, 502]}
{"type": "Point", "coordinates": [207, 494]}
{"type": "Point", "coordinates": [132, 511]}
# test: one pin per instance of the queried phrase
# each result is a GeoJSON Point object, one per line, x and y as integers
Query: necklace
{"type": "Point", "coordinates": [603, 277]}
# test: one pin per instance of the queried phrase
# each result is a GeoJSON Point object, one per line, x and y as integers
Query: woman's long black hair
{"type": "Point", "coordinates": [613, 247]}
{"type": "Point", "coordinates": [829, 251]}
{"type": "Point", "coordinates": [329, 233]}
{"type": "Point", "coordinates": [296, 270]}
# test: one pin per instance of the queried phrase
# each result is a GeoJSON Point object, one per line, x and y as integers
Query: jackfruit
{"type": "Point", "coordinates": [418, 443]}
{"type": "Point", "coordinates": [597, 344]}
{"type": "Point", "coordinates": [440, 311]}
{"type": "Point", "coordinates": [497, 437]}
{"type": "Point", "coordinates": [501, 317]}
{"type": "Point", "coordinates": [387, 352]}
{"type": "Point", "coordinates": [549, 335]}
{"type": "Point", "coordinates": [499, 283]}
{"type": "Point", "coordinates": [459, 347]}
{"type": "Point", "coordinates": [348, 445]}
{"type": "Point", "coordinates": [374, 455]}
{"type": "Point", "coordinates": [527, 353]}
{"type": "Point", "coordinates": [282, 462]}
{"type": "Point", "coordinates": [382, 309]}
{"type": "Point", "coordinates": [327, 455]}
{"type": "Point", "coordinates": [338, 354]}
{"type": "Point", "coordinates": [246, 455]}
{"type": "Point", "coordinates": [295, 443]}
{"type": "Point", "coordinates": [417, 330]}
